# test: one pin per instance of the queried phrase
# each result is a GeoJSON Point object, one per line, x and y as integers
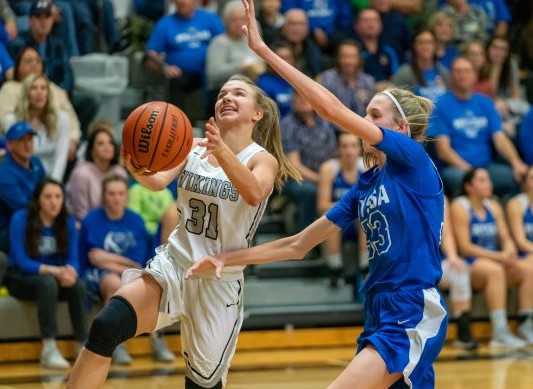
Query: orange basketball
{"type": "Point", "coordinates": [157, 135]}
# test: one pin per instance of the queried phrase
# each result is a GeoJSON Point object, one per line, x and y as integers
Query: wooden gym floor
{"type": "Point", "coordinates": [302, 359]}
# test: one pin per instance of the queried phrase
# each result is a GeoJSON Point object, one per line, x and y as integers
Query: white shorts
{"type": "Point", "coordinates": [210, 313]}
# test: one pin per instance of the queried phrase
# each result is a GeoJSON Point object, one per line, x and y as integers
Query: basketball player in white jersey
{"type": "Point", "coordinates": [223, 189]}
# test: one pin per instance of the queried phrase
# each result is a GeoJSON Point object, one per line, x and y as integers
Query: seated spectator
{"type": "Point", "coordinates": [470, 20]}
{"type": "Point", "coordinates": [424, 76]}
{"type": "Point", "coordinates": [178, 45]}
{"type": "Point", "coordinates": [29, 62]}
{"type": "Point", "coordinates": [112, 240]}
{"type": "Point", "coordinates": [271, 20]}
{"type": "Point", "coordinates": [498, 15]}
{"type": "Point", "coordinates": [504, 71]}
{"type": "Point", "coordinates": [525, 138]}
{"type": "Point", "coordinates": [228, 53]}
{"type": "Point", "coordinates": [441, 24]}
{"type": "Point", "coordinates": [456, 279]}
{"type": "Point", "coordinates": [44, 266]}
{"type": "Point", "coordinates": [484, 241]}
{"type": "Point", "coordinates": [53, 49]}
{"type": "Point", "coordinates": [157, 209]}
{"type": "Point", "coordinates": [306, 53]}
{"type": "Point", "coordinates": [6, 65]}
{"type": "Point", "coordinates": [347, 80]}
{"type": "Point", "coordinates": [84, 188]}
{"type": "Point", "coordinates": [520, 214]}
{"type": "Point", "coordinates": [275, 86]}
{"type": "Point", "coordinates": [467, 126]}
{"type": "Point", "coordinates": [381, 60]}
{"type": "Point", "coordinates": [20, 172]}
{"type": "Point", "coordinates": [397, 33]}
{"type": "Point", "coordinates": [36, 106]}
{"type": "Point", "coordinates": [308, 142]}
{"type": "Point", "coordinates": [328, 19]}
{"type": "Point", "coordinates": [335, 178]}
{"type": "Point", "coordinates": [475, 52]}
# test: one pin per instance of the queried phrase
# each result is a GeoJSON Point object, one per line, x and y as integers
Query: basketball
{"type": "Point", "coordinates": [157, 135]}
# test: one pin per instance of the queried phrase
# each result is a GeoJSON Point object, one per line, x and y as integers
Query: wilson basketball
{"type": "Point", "coordinates": [157, 135]}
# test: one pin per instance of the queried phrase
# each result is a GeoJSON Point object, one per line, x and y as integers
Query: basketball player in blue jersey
{"type": "Point", "coordinates": [223, 188]}
{"type": "Point", "coordinates": [520, 214]}
{"type": "Point", "coordinates": [484, 241]}
{"type": "Point", "coordinates": [456, 278]}
{"type": "Point", "coordinates": [399, 202]}
{"type": "Point", "coordinates": [336, 177]}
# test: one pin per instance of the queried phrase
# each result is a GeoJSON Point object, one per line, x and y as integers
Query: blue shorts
{"type": "Point", "coordinates": [408, 329]}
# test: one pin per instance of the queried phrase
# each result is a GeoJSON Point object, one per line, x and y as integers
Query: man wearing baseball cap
{"type": "Point", "coordinates": [20, 172]}
{"type": "Point", "coordinates": [52, 48]}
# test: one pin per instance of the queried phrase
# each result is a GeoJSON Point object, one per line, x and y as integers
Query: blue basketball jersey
{"type": "Point", "coordinates": [340, 185]}
{"type": "Point", "coordinates": [483, 231]}
{"type": "Point", "coordinates": [401, 209]}
{"type": "Point", "coordinates": [527, 218]}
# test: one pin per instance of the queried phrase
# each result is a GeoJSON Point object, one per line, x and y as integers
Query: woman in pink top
{"type": "Point", "coordinates": [84, 188]}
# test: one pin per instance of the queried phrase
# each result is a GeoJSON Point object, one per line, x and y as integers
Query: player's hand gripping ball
{"type": "Point", "coordinates": [157, 136]}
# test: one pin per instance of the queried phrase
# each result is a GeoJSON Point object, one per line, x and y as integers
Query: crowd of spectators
{"type": "Point", "coordinates": [472, 58]}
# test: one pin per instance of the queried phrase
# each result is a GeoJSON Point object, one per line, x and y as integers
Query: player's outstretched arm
{"type": "Point", "coordinates": [292, 247]}
{"type": "Point", "coordinates": [322, 100]}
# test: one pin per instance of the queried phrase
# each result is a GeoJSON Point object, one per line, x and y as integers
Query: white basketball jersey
{"type": "Point", "coordinates": [213, 217]}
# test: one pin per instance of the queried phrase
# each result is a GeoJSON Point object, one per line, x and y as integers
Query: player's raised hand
{"type": "Point", "coordinates": [213, 140]}
{"type": "Point", "coordinates": [205, 265]}
{"type": "Point", "coordinates": [250, 29]}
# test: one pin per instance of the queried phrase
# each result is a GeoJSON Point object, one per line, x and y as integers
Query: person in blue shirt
{"type": "Point", "coordinates": [44, 266]}
{"type": "Point", "coordinates": [456, 279]}
{"type": "Point", "coordinates": [177, 47]}
{"type": "Point", "coordinates": [335, 178]}
{"type": "Point", "coordinates": [112, 239]}
{"type": "Point", "coordinates": [525, 138]}
{"type": "Point", "coordinates": [443, 28]}
{"type": "Point", "coordinates": [380, 60]}
{"type": "Point", "coordinates": [397, 32]}
{"type": "Point", "coordinates": [20, 172]}
{"type": "Point", "coordinates": [327, 18]}
{"type": "Point", "coordinates": [275, 86]}
{"type": "Point", "coordinates": [424, 76]}
{"type": "Point", "coordinates": [484, 241]}
{"type": "Point", "coordinates": [520, 215]}
{"type": "Point", "coordinates": [467, 127]}
{"type": "Point", "coordinates": [399, 202]}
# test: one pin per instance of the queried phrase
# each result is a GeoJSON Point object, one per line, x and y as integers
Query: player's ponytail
{"type": "Point", "coordinates": [267, 133]}
{"type": "Point", "coordinates": [417, 110]}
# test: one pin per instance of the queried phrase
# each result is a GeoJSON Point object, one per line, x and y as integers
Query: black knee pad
{"type": "Point", "coordinates": [115, 323]}
{"type": "Point", "coordinates": [189, 384]}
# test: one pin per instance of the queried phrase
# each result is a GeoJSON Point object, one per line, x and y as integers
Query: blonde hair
{"type": "Point", "coordinates": [417, 110]}
{"type": "Point", "coordinates": [49, 114]}
{"type": "Point", "coordinates": [438, 17]}
{"type": "Point", "coordinates": [267, 132]}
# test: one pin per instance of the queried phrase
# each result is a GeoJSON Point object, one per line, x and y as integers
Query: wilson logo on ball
{"type": "Point", "coordinates": [146, 133]}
